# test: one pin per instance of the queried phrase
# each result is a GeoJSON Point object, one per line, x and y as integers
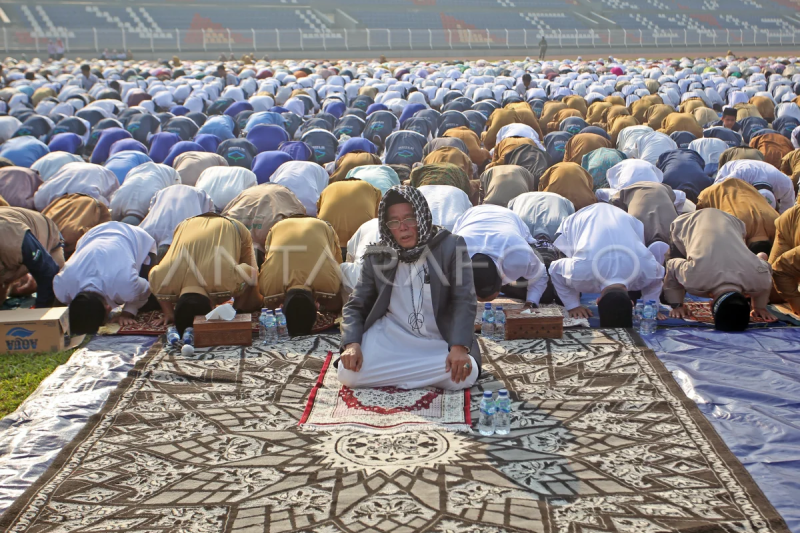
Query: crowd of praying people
{"type": "Point", "coordinates": [400, 194]}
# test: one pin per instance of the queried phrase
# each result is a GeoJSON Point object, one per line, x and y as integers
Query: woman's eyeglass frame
{"type": "Point", "coordinates": [410, 222]}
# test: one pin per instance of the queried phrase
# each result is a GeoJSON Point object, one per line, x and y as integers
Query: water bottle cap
{"type": "Point", "coordinates": [487, 306]}
{"type": "Point", "coordinates": [265, 310]}
{"type": "Point", "coordinates": [499, 307]}
{"type": "Point", "coordinates": [487, 394]}
{"type": "Point", "coordinates": [502, 392]}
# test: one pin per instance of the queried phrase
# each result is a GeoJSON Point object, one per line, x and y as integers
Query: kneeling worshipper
{"type": "Point", "coordinates": [543, 213]}
{"type": "Point", "coordinates": [108, 269]}
{"type": "Point", "coordinates": [742, 200]}
{"type": "Point", "coordinates": [718, 265]}
{"type": "Point", "coordinates": [653, 204]}
{"type": "Point", "coordinates": [785, 259]}
{"type": "Point", "coordinates": [770, 182]}
{"type": "Point", "coordinates": [210, 261]}
{"type": "Point", "coordinates": [410, 320]}
{"type": "Point", "coordinates": [605, 253]}
{"type": "Point", "coordinates": [446, 204]}
{"type": "Point", "coordinates": [571, 181]}
{"type": "Point", "coordinates": [366, 235]}
{"type": "Point", "coordinates": [503, 183]}
{"type": "Point", "coordinates": [31, 252]}
{"type": "Point", "coordinates": [261, 207]}
{"type": "Point", "coordinates": [75, 214]}
{"type": "Point", "coordinates": [171, 206]}
{"type": "Point", "coordinates": [301, 271]}
{"type": "Point", "coordinates": [499, 244]}
{"type": "Point", "coordinates": [346, 205]}
{"type": "Point", "coordinates": [131, 202]}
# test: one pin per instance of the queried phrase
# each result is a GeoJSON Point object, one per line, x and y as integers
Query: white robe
{"type": "Point", "coordinates": [223, 184]}
{"type": "Point", "coordinates": [500, 234]}
{"type": "Point", "coordinates": [604, 246]}
{"type": "Point", "coordinates": [368, 233]}
{"type": "Point", "coordinates": [107, 260]}
{"type": "Point", "coordinates": [305, 179]}
{"type": "Point", "coordinates": [140, 186]}
{"type": "Point", "coordinates": [446, 203]}
{"type": "Point", "coordinates": [85, 178]}
{"type": "Point", "coordinates": [397, 355]}
{"type": "Point", "coordinates": [171, 206]}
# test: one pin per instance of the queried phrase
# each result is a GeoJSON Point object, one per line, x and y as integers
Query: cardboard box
{"type": "Point", "coordinates": [34, 330]}
{"type": "Point", "coordinates": [236, 332]}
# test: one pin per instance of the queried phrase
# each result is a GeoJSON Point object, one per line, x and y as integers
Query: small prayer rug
{"type": "Point", "coordinates": [148, 324]}
{"type": "Point", "coordinates": [701, 312]}
{"type": "Point", "coordinates": [384, 410]}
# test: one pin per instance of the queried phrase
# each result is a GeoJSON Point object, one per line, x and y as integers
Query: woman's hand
{"type": "Point", "coordinates": [352, 358]}
{"type": "Point", "coordinates": [580, 312]}
{"type": "Point", "coordinates": [458, 363]}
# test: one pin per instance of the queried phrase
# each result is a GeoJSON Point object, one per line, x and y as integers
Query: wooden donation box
{"type": "Point", "coordinates": [540, 323]}
{"type": "Point", "coordinates": [236, 332]}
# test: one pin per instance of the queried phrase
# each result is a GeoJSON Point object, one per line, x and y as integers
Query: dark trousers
{"type": "Point", "coordinates": [42, 267]}
{"type": "Point", "coordinates": [144, 272]}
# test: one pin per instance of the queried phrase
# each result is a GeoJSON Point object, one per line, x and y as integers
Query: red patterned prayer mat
{"type": "Point", "coordinates": [146, 324]}
{"type": "Point", "coordinates": [701, 312]}
{"type": "Point", "coordinates": [385, 410]}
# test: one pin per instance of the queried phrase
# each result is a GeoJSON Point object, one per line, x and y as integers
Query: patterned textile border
{"type": "Point", "coordinates": [328, 409]}
{"type": "Point", "coordinates": [603, 440]}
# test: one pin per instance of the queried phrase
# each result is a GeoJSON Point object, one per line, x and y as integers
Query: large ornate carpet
{"type": "Point", "coordinates": [603, 440]}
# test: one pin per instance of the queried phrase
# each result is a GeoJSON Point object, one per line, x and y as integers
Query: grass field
{"type": "Point", "coordinates": [20, 374]}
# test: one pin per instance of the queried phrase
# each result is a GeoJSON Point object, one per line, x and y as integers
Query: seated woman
{"type": "Point", "coordinates": [410, 320]}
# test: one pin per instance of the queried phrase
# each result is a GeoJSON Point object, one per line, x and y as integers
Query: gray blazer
{"type": "Point", "coordinates": [454, 299]}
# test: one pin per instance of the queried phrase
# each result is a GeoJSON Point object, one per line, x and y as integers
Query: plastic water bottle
{"type": "Point", "coordinates": [638, 311]}
{"type": "Point", "coordinates": [280, 323]}
{"type": "Point", "coordinates": [272, 328]}
{"type": "Point", "coordinates": [262, 326]}
{"type": "Point", "coordinates": [188, 336]}
{"type": "Point", "coordinates": [486, 421]}
{"type": "Point", "coordinates": [499, 324]}
{"type": "Point", "coordinates": [648, 325]}
{"type": "Point", "coordinates": [173, 338]}
{"type": "Point", "coordinates": [487, 322]}
{"type": "Point", "coordinates": [502, 418]}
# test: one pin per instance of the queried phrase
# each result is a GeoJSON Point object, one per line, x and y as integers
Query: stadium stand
{"type": "Point", "coordinates": [477, 21]}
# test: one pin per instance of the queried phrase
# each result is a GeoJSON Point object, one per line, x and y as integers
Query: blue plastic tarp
{"type": "Point", "coordinates": [748, 386]}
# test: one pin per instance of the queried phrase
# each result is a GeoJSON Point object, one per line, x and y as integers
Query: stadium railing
{"type": "Point", "coordinates": [376, 40]}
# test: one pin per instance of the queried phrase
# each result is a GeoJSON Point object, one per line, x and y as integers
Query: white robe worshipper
{"type": "Point", "coordinates": [107, 260]}
{"type": "Point", "coordinates": [630, 171]}
{"type": "Point", "coordinates": [368, 233]}
{"type": "Point", "coordinates": [84, 178]}
{"type": "Point", "coordinates": [604, 246]}
{"type": "Point", "coordinates": [171, 206]}
{"type": "Point", "coordinates": [305, 179]}
{"type": "Point", "coordinates": [446, 203]}
{"type": "Point", "coordinates": [141, 184]}
{"type": "Point", "coordinates": [392, 340]}
{"type": "Point", "coordinates": [501, 234]}
{"type": "Point", "coordinates": [760, 174]}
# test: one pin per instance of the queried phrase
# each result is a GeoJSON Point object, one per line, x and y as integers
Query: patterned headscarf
{"type": "Point", "coordinates": [425, 228]}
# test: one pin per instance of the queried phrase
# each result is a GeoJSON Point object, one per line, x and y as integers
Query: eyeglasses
{"type": "Point", "coordinates": [410, 222]}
